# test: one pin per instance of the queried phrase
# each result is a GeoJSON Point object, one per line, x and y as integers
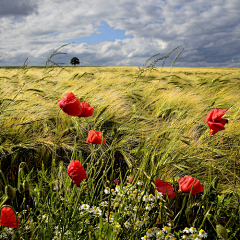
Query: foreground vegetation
{"type": "Point", "coordinates": [153, 123]}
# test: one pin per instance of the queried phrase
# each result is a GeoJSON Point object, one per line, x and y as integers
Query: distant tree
{"type": "Point", "coordinates": [75, 61]}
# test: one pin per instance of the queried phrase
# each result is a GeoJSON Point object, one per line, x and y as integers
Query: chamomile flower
{"type": "Point", "coordinates": [155, 229]}
{"type": "Point", "coordinates": [151, 198]}
{"type": "Point", "coordinates": [131, 196]}
{"type": "Point", "coordinates": [145, 198]}
{"type": "Point", "coordinates": [104, 204]}
{"type": "Point", "coordinates": [184, 237]}
{"type": "Point", "coordinates": [92, 209]}
{"type": "Point", "coordinates": [128, 212]}
{"type": "Point", "coordinates": [84, 207]}
{"type": "Point", "coordinates": [107, 190]}
{"type": "Point", "coordinates": [159, 195]}
{"type": "Point", "coordinates": [145, 222]}
{"type": "Point", "coordinates": [139, 183]}
{"type": "Point", "coordinates": [117, 188]}
{"type": "Point", "coordinates": [170, 236]}
{"type": "Point", "coordinates": [97, 212]}
{"type": "Point", "coordinates": [160, 234]}
{"type": "Point", "coordinates": [165, 229]}
{"type": "Point", "coordinates": [148, 207]}
{"type": "Point", "coordinates": [127, 224]}
{"type": "Point", "coordinates": [202, 234]}
{"type": "Point", "coordinates": [193, 230]}
{"type": "Point", "coordinates": [144, 237]}
{"type": "Point", "coordinates": [186, 230]}
{"type": "Point", "coordinates": [138, 223]}
{"type": "Point", "coordinates": [135, 208]}
{"type": "Point", "coordinates": [113, 192]}
{"type": "Point", "coordinates": [27, 227]}
{"type": "Point", "coordinates": [118, 197]}
{"type": "Point", "coordinates": [150, 232]}
{"type": "Point", "coordinates": [145, 216]}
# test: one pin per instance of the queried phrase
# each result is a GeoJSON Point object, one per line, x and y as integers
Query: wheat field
{"type": "Point", "coordinates": [152, 115]}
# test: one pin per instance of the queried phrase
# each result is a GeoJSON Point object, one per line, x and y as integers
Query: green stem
{"type": "Point", "coordinates": [55, 140]}
{"type": "Point", "coordinates": [4, 179]}
{"type": "Point", "coordinates": [54, 154]}
{"type": "Point", "coordinates": [210, 169]}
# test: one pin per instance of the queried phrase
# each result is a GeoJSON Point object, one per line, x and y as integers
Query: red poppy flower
{"type": "Point", "coordinates": [95, 137]}
{"type": "Point", "coordinates": [8, 218]}
{"type": "Point", "coordinates": [215, 121]}
{"type": "Point", "coordinates": [87, 110]}
{"type": "Point", "coordinates": [186, 184]}
{"type": "Point", "coordinates": [76, 172]}
{"type": "Point", "coordinates": [70, 104]}
{"type": "Point", "coordinates": [165, 188]}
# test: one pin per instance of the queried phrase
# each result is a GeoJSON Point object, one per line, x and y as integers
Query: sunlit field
{"type": "Point", "coordinates": [153, 121]}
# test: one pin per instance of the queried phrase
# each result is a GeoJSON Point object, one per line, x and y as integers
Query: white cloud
{"type": "Point", "coordinates": [208, 30]}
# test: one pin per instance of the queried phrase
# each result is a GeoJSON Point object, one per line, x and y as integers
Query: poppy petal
{"type": "Point", "coordinates": [95, 137]}
{"type": "Point", "coordinates": [70, 104]}
{"type": "Point", "coordinates": [8, 218]}
{"type": "Point", "coordinates": [215, 121]}
{"type": "Point", "coordinates": [76, 172]}
{"type": "Point", "coordinates": [186, 185]}
{"type": "Point", "coordinates": [217, 114]}
{"type": "Point", "coordinates": [209, 116]}
{"type": "Point", "coordinates": [215, 127]}
{"type": "Point", "coordinates": [165, 188]}
{"type": "Point", "coordinates": [87, 110]}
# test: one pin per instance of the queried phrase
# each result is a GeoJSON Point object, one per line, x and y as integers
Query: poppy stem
{"type": "Point", "coordinates": [54, 154]}
{"type": "Point", "coordinates": [4, 179]}
{"type": "Point", "coordinates": [55, 140]}
{"type": "Point", "coordinates": [210, 169]}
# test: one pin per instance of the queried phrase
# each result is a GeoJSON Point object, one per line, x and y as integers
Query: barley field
{"type": "Point", "coordinates": [152, 119]}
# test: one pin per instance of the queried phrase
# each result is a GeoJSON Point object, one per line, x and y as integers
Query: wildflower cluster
{"type": "Point", "coordinates": [165, 234]}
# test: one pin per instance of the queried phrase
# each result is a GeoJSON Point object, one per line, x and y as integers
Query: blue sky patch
{"type": "Point", "coordinates": [107, 34]}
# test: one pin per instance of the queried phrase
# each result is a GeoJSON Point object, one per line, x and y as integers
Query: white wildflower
{"type": "Point", "coordinates": [150, 232]}
{"type": "Point", "coordinates": [151, 198]}
{"type": "Point", "coordinates": [145, 198]}
{"type": "Point", "coordinates": [202, 234]}
{"type": "Point", "coordinates": [193, 230]}
{"type": "Point", "coordinates": [127, 224]}
{"type": "Point", "coordinates": [107, 190]}
{"type": "Point", "coordinates": [84, 207]}
{"type": "Point", "coordinates": [104, 204]}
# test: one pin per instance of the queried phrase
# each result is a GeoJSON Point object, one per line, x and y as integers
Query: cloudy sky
{"type": "Point", "coordinates": [120, 32]}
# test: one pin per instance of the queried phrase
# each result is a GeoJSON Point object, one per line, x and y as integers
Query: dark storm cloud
{"type": "Point", "coordinates": [17, 7]}
{"type": "Point", "coordinates": [208, 30]}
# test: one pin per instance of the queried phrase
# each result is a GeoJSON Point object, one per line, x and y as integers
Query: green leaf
{"type": "Point", "coordinates": [221, 232]}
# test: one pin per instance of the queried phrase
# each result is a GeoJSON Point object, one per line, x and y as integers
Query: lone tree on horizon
{"type": "Point", "coordinates": [74, 61]}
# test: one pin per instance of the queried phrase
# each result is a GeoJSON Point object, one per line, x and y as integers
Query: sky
{"type": "Point", "coordinates": [120, 32]}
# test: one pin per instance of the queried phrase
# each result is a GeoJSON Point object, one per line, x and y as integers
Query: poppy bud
{"type": "Point", "coordinates": [10, 192]}
{"type": "Point", "coordinates": [26, 185]}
